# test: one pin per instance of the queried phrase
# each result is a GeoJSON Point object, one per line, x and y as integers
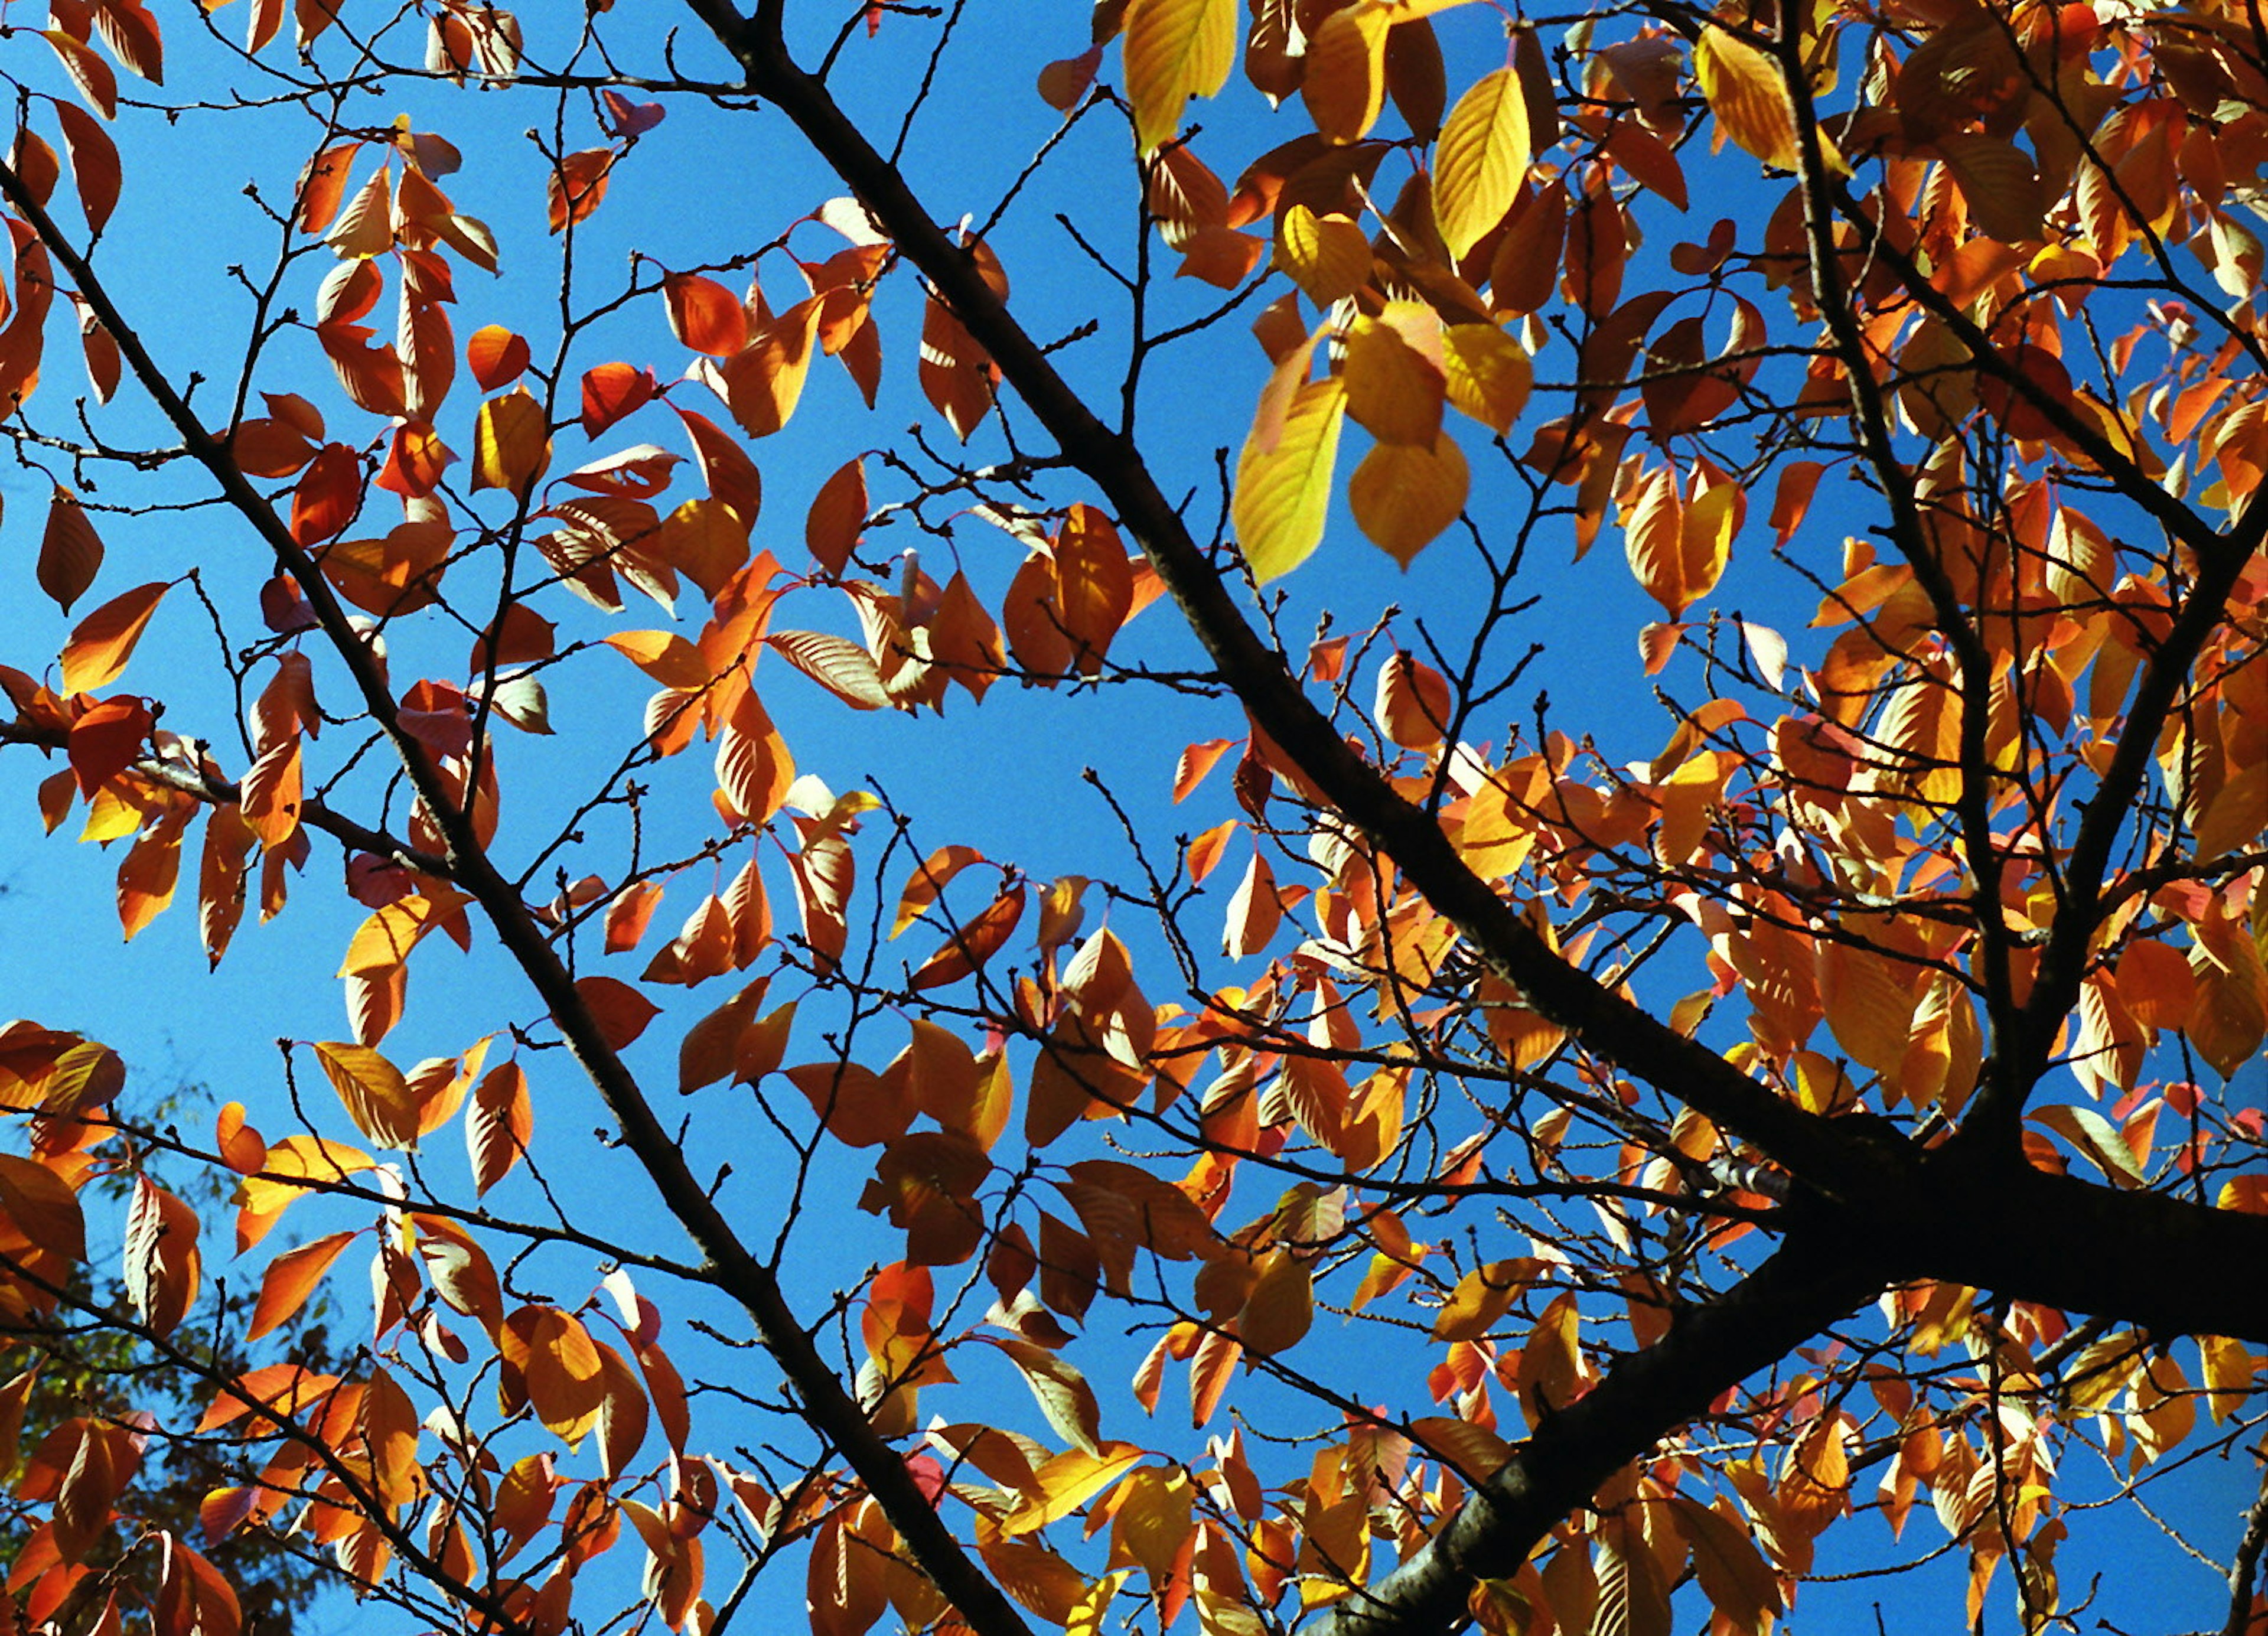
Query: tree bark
{"type": "Point", "coordinates": [1808, 1283]}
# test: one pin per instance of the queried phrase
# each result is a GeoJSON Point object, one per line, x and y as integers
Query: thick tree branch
{"type": "Point", "coordinates": [1995, 1222]}
{"type": "Point", "coordinates": [1807, 1286]}
{"type": "Point", "coordinates": [2244, 1569]}
{"type": "Point", "coordinates": [1633, 1038]}
{"type": "Point", "coordinates": [1954, 1202]}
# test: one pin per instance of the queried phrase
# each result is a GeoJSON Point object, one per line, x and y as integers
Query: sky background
{"type": "Point", "coordinates": [708, 184]}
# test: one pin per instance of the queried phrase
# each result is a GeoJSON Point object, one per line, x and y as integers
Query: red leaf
{"type": "Point", "coordinates": [106, 739]}
{"type": "Point", "coordinates": [328, 495]}
{"type": "Point", "coordinates": [612, 391]}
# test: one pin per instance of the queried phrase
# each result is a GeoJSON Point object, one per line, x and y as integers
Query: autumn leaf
{"type": "Point", "coordinates": [1176, 50]}
{"type": "Point", "coordinates": [1283, 488]}
{"type": "Point", "coordinates": [1344, 82]}
{"type": "Point", "coordinates": [71, 551]}
{"type": "Point", "coordinates": [375, 1092]}
{"type": "Point", "coordinates": [496, 356]}
{"type": "Point", "coordinates": [101, 644]}
{"type": "Point", "coordinates": [1746, 93]}
{"type": "Point", "coordinates": [620, 1012]}
{"type": "Point", "coordinates": [754, 767]}
{"type": "Point", "coordinates": [1480, 159]}
{"type": "Point", "coordinates": [1281, 1307]}
{"type": "Point", "coordinates": [512, 446]}
{"type": "Point", "coordinates": [291, 1279]}
{"type": "Point", "coordinates": [499, 1123]}
{"type": "Point", "coordinates": [1403, 496]}
{"type": "Point", "coordinates": [1062, 1392]}
{"type": "Point", "coordinates": [578, 184]}
{"type": "Point", "coordinates": [163, 1264]}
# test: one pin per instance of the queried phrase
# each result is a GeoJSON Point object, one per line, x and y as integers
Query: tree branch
{"type": "Point", "coordinates": [1808, 1283]}
{"type": "Point", "coordinates": [830, 1408]}
{"type": "Point", "coordinates": [1954, 1206]}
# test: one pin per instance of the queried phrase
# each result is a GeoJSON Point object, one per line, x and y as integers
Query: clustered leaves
{"type": "Point", "coordinates": [1600, 1157]}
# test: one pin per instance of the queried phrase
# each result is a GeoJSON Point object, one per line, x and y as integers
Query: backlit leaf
{"type": "Point", "coordinates": [99, 648]}
{"type": "Point", "coordinates": [1480, 159]}
{"type": "Point", "coordinates": [1284, 489]}
{"type": "Point", "coordinates": [1176, 50]}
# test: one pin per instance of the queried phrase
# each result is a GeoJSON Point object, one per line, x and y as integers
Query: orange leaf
{"type": "Point", "coordinates": [498, 357]}
{"type": "Point", "coordinates": [269, 795]}
{"type": "Point", "coordinates": [754, 767]}
{"type": "Point", "coordinates": [577, 183]}
{"type": "Point", "coordinates": [977, 942]}
{"type": "Point", "coordinates": [499, 1125]}
{"type": "Point", "coordinates": [613, 391]}
{"type": "Point", "coordinates": [291, 1279]}
{"type": "Point", "coordinates": [1095, 586]}
{"type": "Point", "coordinates": [704, 316]}
{"type": "Point", "coordinates": [838, 512]}
{"type": "Point", "coordinates": [97, 653]}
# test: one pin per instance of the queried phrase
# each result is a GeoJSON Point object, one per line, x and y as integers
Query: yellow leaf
{"type": "Point", "coordinates": [377, 1095]}
{"type": "Point", "coordinates": [1176, 50]}
{"type": "Point", "coordinates": [1283, 491]}
{"type": "Point", "coordinates": [1402, 496]}
{"type": "Point", "coordinates": [511, 443]}
{"type": "Point", "coordinates": [1487, 372]}
{"type": "Point", "coordinates": [1344, 81]}
{"type": "Point", "coordinates": [1393, 393]}
{"type": "Point", "coordinates": [1749, 97]}
{"type": "Point", "coordinates": [1087, 1618]}
{"type": "Point", "coordinates": [1327, 256]}
{"type": "Point", "coordinates": [1069, 1481]}
{"type": "Point", "coordinates": [1482, 1297]}
{"type": "Point", "coordinates": [1479, 160]}
{"type": "Point", "coordinates": [1279, 1309]}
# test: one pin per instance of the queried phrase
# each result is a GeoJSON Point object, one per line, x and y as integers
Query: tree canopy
{"type": "Point", "coordinates": [1111, 968]}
